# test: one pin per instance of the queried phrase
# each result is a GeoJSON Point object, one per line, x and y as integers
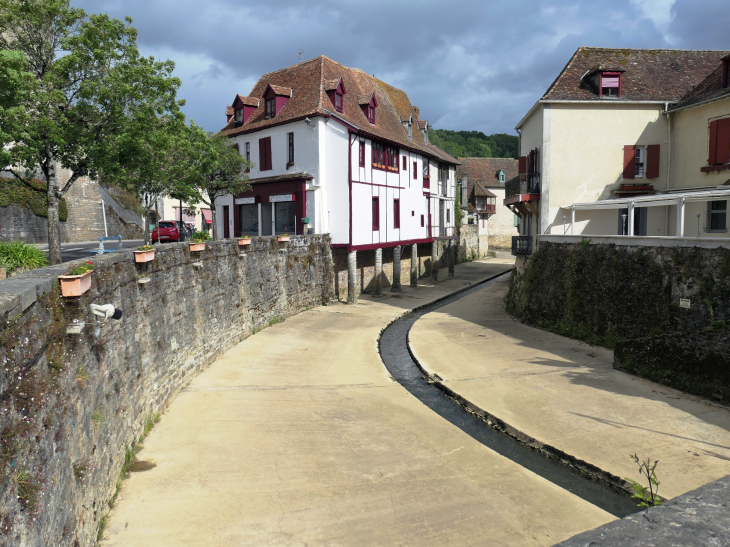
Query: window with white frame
{"type": "Point", "coordinates": [717, 216]}
{"type": "Point", "coordinates": [639, 162]}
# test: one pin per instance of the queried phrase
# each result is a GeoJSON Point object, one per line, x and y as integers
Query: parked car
{"type": "Point", "coordinates": [168, 232]}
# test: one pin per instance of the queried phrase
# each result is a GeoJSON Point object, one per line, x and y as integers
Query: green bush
{"type": "Point", "coordinates": [200, 237]}
{"type": "Point", "coordinates": [13, 192]}
{"type": "Point", "coordinates": [17, 255]}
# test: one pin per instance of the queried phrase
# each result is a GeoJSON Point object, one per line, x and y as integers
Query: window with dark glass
{"type": "Point", "coordinates": [371, 114]}
{"type": "Point", "coordinates": [291, 147]}
{"type": "Point", "coordinates": [270, 108]}
{"type": "Point", "coordinates": [362, 153]}
{"type": "Point", "coordinates": [378, 155]}
{"type": "Point", "coordinates": [391, 158]}
{"type": "Point", "coordinates": [338, 102]}
{"type": "Point", "coordinates": [396, 213]}
{"type": "Point", "coordinates": [376, 214]}
{"type": "Point", "coordinates": [717, 213]}
{"type": "Point", "coordinates": [248, 154]}
{"type": "Point", "coordinates": [238, 115]}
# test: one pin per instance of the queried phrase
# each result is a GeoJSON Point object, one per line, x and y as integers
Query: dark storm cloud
{"type": "Point", "coordinates": [468, 65]}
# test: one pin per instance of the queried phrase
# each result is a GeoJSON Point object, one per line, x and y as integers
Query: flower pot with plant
{"type": "Point", "coordinates": [283, 238]}
{"type": "Point", "coordinates": [146, 253]}
{"type": "Point", "coordinates": [243, 241]}
{"type": "Point", "coordinates": [77, 281]}
{"type": "Point", "coordinates": [198, 240]}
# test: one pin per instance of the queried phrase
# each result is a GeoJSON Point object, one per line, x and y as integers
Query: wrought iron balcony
{"type": "Point", "coordinates": [526, 183]}
{"type": "Point", "coordinates": [521, 245]}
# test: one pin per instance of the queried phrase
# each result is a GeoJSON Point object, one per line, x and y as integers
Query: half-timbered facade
{"type": "Point", "coordinates": [335, 150]}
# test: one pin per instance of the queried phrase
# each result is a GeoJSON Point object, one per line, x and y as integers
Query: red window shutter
{"type": "Point", "coordinates": [376, 214]}
{"type": "Point", "coordinates": [712, 151]}
{"type": "Point", "coordinates": [405, 163]}
{"type": "Point", "coordinates": [421, 221]}
{"type": "Point", "coordinates": [629, 162]}
{"type": "Point", "coordinates": [722, 155]}
{"type": "Point", "coordinates": [415, 170]}
{"type": "Point", "coordinates": [652, 161]}
{"type": "Point", "coordinates": [523, 164]}
{"type": "Point", "coordinates": [362, 154]}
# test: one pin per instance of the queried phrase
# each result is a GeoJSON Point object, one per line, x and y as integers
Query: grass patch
{"type": "Point", "coordinates": [274, 320]}
{"type": "Point", "coordinates": [20, 257]}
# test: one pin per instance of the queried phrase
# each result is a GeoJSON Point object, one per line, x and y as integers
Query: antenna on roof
{"type": "Point", "coordinates": [299, 52]}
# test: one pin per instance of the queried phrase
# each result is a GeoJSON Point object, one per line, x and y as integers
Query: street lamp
{"type": "Point", "coordinates": [698, 224]}
{"type": "Point", "coordinates": [565, 230]}
{"type": "Point", "coordinates": [624, 216]}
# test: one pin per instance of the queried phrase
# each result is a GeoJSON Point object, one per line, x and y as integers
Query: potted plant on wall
{"type": "Point", "coordinates": [77, 281]}
{"type": "Point", "coordinates": [283, 238]}
{"type": "Point", "coordinates": [146, 253]}
{"type": "Point", "coordinates": [198, 240]}
{"type": "Point", "coordinates": [243, 241]}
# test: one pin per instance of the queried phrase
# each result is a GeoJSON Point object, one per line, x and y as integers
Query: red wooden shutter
{"type": "Point", "coordinates": [629, 162]}
{"type": "Point", "coordinates": [722, 155]}
{"type": "Point", "coordinates": [376, 214]}
{"type": "Point", "coordinates": [268, 153]}
{"type": "Point", "coordinates": [652, 161]}
{"type": "Point", "coordinates": [712, 151]}
{"type": "Point", "coordinates": [523, 164]}
{"type": "Point", "coordinates": [415, 170]}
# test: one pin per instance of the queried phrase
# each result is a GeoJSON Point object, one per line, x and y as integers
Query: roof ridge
{"type": "Point", "coordinates": [291, 66]}
{"type": "Point", "coordinates": [321, 81]}
{"type": "Point", "coordinates": [649, 49]}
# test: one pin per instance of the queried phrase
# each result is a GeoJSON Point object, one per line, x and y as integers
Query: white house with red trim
{"type": "Point", "coordinates": [337, 151]}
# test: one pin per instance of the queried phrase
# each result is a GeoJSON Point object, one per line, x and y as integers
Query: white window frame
{"type": "Point", "coordinates": [640, 162]}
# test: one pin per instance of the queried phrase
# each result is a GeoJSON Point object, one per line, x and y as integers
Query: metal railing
{"type": "Point", "coordinates": [521, 245]}
{"type": "Point", "coordinates": [526, 183]}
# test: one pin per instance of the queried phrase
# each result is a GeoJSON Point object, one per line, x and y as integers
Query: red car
{"type": "Point", "coordinates": [168, 232]}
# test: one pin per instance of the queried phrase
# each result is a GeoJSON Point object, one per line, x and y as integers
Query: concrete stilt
{"type": "Point", "coordinates": [352, 277]}
{"type": "Point", "coordinates": [377, 285]}
{"type": "Point", "coordinates": [434, 258]}
{"type": "Point", "coordinates": [395, 287]}
{"type": "Point", "coordinates": [414, 265]}
{"type": "Point", "coordinates": [451, 258]}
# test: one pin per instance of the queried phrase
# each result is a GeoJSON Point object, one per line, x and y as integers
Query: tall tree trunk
{"type": "Point", "coordinates": [147, 225]}
{"type": "Point", "coordinates": [54, 236]}
{"type": "Point", "coordinates": [215, 223]}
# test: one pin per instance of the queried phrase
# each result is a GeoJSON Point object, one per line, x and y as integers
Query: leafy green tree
{"type": "Point", "coordinates": [474, 144]}
{"type": "Point", "coordinates": [16, 84]}
{"type": "Point", "coordinates": [224, 172]}
{"type": "Point", "coordinates": [90, 85]}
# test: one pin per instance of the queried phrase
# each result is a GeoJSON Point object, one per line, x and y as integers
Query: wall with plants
{"type": "Point", "coordinates": [73, 406]}
{"type": "Point", "coordinates": [628, 298]}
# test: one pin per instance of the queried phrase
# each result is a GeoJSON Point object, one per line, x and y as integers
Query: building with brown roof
{"type": "Point", "coordinates": [482, 183]}
{"type": "Point", "coordinates": [334, 151]}
{"type": "Point", "coordinates": [606, 143]}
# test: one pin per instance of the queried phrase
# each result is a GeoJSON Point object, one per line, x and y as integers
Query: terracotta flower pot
{"type": "Point", "coordinates": [244, 241]}
{"type": "Point", "coordinates": [195, 247]}
{"type": "Point", "coordinates": [75, 285]}
{"type": "Point", "coordinates": [282, 238]}
{"type": "Point", "coordinates": [144, 256]}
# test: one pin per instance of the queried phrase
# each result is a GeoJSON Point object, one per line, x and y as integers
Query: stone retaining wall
{"type": "Point", "coordinates": [72, 405]}
{"type": "Point", "coordinates": [17, 223]}
{"type": "Point", "coordinates": [666, 310]}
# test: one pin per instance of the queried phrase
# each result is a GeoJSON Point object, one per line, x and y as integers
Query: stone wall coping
{"type": "Point", "coordinates": [640, 241]}
{"type": "Point", "coordinates": [18, 293]}
{"type": "Point", "coordinates": [698, 518]}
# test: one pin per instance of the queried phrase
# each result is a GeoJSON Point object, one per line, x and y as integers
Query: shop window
{"type": "Point", "coordinates": [717, 216]}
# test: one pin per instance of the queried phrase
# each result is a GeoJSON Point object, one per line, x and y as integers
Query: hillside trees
{"type": "Point", "coordinates": [474, 144]}
{"type": "Point", "coordinates": [90, 86]}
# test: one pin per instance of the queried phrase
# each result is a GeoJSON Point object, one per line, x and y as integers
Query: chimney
{"type": "Point", "coordinates": [417, 112]}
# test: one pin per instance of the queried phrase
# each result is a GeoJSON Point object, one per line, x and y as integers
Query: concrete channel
{"type": "Point", "coordinates": [582, 479]}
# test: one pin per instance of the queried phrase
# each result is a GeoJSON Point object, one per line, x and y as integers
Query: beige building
{"type": "Point", "coordinates": [618, 146]}
{"type": "Point", "coordinates": [482, 195]}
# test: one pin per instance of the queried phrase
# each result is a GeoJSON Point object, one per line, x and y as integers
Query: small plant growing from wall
{"type": "Point", "coordinates": [647, 497]}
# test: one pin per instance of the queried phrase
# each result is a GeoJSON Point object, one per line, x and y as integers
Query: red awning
{"type": "Point", "coordinates": [207, 216]}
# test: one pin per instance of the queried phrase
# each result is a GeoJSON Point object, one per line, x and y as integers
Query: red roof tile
{"type": "Point", "coordinates": [281, 90]}
{"type": "Point", "coordinates": [485, 171]}
{"type": "Point", "coordinates": [648, 74]}
{"type": "Point", "coordinates": [308, 82]}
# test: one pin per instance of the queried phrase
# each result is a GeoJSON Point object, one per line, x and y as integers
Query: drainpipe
{"type": "Point", "coordinates": [103, 214]}
{"type": "Point", "coordinates": [669, 161]}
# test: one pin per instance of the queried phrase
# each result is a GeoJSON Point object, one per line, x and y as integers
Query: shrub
{"type": "Point", "coordinates": [82, 268]}
{"type": "Point", "coordinates": [19, 256]}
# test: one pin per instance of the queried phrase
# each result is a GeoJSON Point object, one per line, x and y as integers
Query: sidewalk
{"type": "Point", "coordinates": [566, 394]}
{"type": "Point", "coordinates": [298, 436]}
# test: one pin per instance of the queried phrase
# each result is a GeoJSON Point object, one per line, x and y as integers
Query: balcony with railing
{"type": "Point", "coordinates": [521, 245]}
{"type": "Point", "coordinates": [524, 187]}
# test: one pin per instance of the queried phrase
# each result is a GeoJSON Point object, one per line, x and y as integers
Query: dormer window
{"type": "Point", "coordinates": [270, 108]}
{"type": "Point", "coordinates": [238, 116]}
{"type": "Point", "coordinates": [242, 109]}
{"type": "Point", "coordinates": [335, 91]}
{"type": "Point", "coordinates": [501, 176]}
{"type": "Point", "coordinates": [368, 103]}
{"type": "Point", "coordinates": [275, 97]}
{"type": "Point", "coordinates": [610, 85]}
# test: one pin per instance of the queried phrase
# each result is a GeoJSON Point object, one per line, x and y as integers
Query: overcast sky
{"type": "Point", "coordinates": [472, 65]}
